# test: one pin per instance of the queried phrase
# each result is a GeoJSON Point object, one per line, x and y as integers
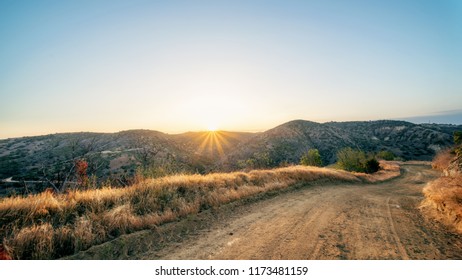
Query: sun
{"type": "Point", "coordinates": [212, 128]}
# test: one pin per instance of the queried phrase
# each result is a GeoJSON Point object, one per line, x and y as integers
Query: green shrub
{"type": "Point", "coordinates": [386, 155]}
{"type": "Point", "coordinates": [311, 158]}
{"type": "Point", "coordinates": [257, 161]}
{"type": "Point", "coordinates": [351, 160]}
{"type": "Point", "coordinates": [356, 160]}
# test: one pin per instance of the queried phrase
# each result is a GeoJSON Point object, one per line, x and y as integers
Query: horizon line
{"type": "Point", "coordinates": [407, 119]}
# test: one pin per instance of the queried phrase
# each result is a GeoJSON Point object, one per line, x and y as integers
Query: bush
{"type": "Point", "coordinates": [257, 161]}
{"type": "Point", "coordinates": [311, 158]}
{"type": "Point", "coordinates": [356, 160]}
{"type": "Point", "coordinates": [386, 155]}
{"type": "Point", "coordinates": [351, 160]}
{"type": "Point", "coordinates": [372, 166]}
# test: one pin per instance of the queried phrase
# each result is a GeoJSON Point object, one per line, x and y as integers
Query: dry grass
{"type": "Point", "coordinates": [442, 159]}
{"type": "Point", "coordinates": [50, 226]}
{"type": "Point", "coordinates": [443, 201]}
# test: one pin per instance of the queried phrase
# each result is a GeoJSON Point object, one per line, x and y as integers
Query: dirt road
{"type": "Point", "coordinates": [377, 221]}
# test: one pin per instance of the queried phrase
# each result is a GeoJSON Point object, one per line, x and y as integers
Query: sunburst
{"type": "Point", "coordinates": [212, 142]}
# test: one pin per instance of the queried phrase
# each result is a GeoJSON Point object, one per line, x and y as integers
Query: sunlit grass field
{"type": "Point", "coordinates": [49, 225]}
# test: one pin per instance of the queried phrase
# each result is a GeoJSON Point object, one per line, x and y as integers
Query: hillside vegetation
{"type": "Point", "coordinates": [50, 226]}
{"type": "Point", "coordinates": [29, 164]}
{"type": "Point", "coordinates": [288, 142]}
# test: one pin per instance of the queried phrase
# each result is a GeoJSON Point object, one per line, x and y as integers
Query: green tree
{"type": "Point", "coordinates": [311, 158]}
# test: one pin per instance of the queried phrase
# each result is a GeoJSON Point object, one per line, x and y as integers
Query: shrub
{"type": "Point", "coordinates": [81, 167]}
{"type": "Point", "coordinates": [351, 160]}
{"type": "Point", "coordinates": [386, 155]}
{"type": "Point", "coordinates": [372, 166]}
{"type": "Point", "coordinates": [311, 158]}
{"type": "Point", "coordinates": [257, 161]}
{"type": "Point", "coordinates": [356, 160]}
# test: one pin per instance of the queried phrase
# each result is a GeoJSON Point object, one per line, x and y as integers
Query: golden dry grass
{"type": "Point", "coordinates": [443, 201]}
{"type": "Point", "coordinates": [50, 226]}
{"type": "Point", "coordinates": [442, 159]}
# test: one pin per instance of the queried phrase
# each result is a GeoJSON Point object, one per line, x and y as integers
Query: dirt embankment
{"type": "Point", "coordinates": [346, 221]}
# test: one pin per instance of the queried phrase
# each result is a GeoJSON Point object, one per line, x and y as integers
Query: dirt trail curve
{"type": "Point", "coordinates": [378, 221]}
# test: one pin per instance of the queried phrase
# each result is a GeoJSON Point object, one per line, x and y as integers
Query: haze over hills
{"type": "Point", "coordinates": [119, 155]}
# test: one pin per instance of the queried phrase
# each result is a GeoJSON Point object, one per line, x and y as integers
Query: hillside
{"type": "Point", "coordinates": [210, 145]}
{"type": "Point", "coordinates": [112, 156]}
{"type": "Point", "coordinates": [287, 142]}
{"type": "Point", "coordinates": [117, 157]}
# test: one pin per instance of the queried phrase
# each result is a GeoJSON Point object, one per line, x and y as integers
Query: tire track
{"type": "Point", "coordinates": [399, 245]}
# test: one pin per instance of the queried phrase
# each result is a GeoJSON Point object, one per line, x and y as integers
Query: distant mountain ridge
{"type": "Point", "coordinates": [121, 153]}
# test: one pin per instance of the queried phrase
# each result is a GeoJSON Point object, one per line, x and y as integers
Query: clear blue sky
{"type": "Point", "coordinates": [176, 66]}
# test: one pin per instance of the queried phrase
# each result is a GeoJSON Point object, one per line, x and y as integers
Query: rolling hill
{"type": "Point", "coordinates": [287, 142]}
{"type": "Point", "coordinates": [117, 156]}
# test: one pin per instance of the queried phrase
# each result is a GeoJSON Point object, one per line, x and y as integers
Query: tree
{"type": "Point", "coordinates": [311, 158]}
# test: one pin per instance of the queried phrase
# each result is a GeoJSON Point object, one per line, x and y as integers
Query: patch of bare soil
{"type": "Point", "coordinates": [364, 221]}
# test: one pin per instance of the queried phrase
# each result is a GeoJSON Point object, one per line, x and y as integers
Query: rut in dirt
{"type": "Point", "coordinates": [377, 221]}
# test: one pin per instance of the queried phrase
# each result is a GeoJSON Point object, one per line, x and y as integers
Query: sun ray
{"type": "Point", "coordinates": [205, 143]}
{"type": "Point", "coordinates": [222, 139]}
{"type": "Point", "coordinates": [217, 144]}
{"type": "Point", "coordinates": [212, 143]}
